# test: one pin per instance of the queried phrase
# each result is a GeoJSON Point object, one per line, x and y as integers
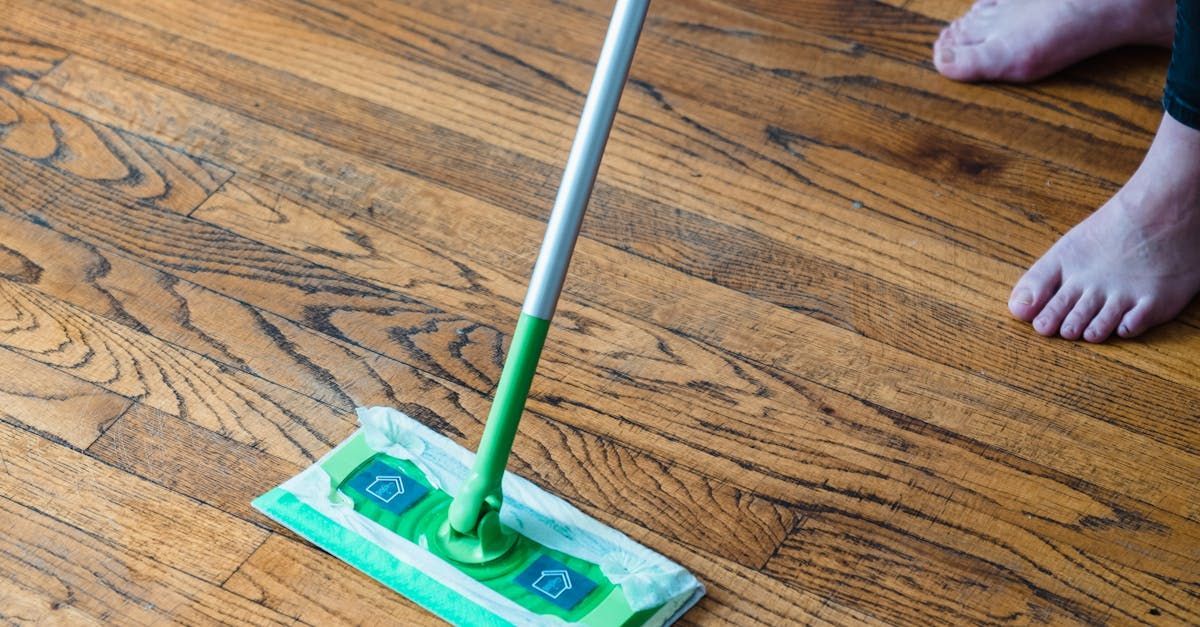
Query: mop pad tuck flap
{"type": "Point", "coordinates": [360, 501]}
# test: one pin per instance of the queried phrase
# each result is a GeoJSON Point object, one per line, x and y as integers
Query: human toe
{"type": "Point", "coordinates": [1032, 292]}
{"type": "Point", "coordinates": [1049, 321]}
{"type": "Point", "coordinates": [957, 62]}
{"type": "Point", "coordinates": [948, 36]}
{"type": "Point", "coordinates": [969, 29]}
{"type": "Point", "coordinates": [1137, 320]}
{"type": "Point", "coordinates": [1081, 315]}
{"type": "Point", "coordinates": [1105, 322]}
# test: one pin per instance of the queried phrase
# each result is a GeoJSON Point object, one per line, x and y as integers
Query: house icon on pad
{"type": "Point", "coordinates": [553, 583]}
{"type": "Point", "coordinates": [386, 487]}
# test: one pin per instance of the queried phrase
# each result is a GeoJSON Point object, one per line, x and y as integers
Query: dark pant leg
{"type": "Point", "coordinates": [1181, 99]}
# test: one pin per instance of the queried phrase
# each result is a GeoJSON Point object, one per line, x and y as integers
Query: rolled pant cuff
{"type": "Point", "coordinates": [1183, 112]}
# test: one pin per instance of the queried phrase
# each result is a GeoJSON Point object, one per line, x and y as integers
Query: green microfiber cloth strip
{"type": "Point", "coordinates": [372, 560]}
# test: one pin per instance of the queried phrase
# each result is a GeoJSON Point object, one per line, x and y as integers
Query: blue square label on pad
{"type": "Point", "coordinates": [387, 487]}
{"type": "Point", "coordinates": [552, 581]}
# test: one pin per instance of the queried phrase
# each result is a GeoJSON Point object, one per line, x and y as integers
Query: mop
{"type": "Point", "coordinates": [452, 530]}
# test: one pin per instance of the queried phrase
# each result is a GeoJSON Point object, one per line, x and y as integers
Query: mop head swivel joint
{"type": "Point", "coordinates": [381, 502]}
{"type": "Point", "coordinates": [486, 540]}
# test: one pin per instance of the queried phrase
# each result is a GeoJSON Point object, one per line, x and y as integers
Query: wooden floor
{"type": "Point", "coordinates": [784, 359]}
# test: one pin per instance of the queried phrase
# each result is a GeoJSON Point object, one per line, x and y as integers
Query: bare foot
{"type": "Point", "coordinates": [1024, 40]}
{"type": "Point", "coordinates": [1132, 264]}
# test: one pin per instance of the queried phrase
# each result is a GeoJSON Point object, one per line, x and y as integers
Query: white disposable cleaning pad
{"type": "Point", "coordinates": [647, 579]}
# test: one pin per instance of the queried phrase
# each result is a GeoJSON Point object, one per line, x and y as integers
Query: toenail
{"type": "Point", "coordinates": [946, 55]}
{"type": "Point", "coordinates": [1124, 330]}
{"type": "Point", "coordinates": [1023, 297]}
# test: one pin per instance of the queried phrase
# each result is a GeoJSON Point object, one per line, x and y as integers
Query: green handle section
{"type": "Point", "coordinates": [481, 491]}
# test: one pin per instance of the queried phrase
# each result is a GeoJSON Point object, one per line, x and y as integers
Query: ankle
{"type": "Point", "coordinates": [1174, 157]}
{"type": "Point", "coordinates": [1166, 187]}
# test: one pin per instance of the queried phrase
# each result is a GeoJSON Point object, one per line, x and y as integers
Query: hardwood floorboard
{"type": "Point", "coordinates": [133, 514]}
{"type": "Point", "coordinates": [842, 493]}
{"type": "Point", "coordinates": [118, 226]}
{"type": "Point", "coordinates": [217, 471]}
{"type": "Point", "coordinates": [140, 168]}
{"type": "Point", "coordinates": [172, 380]}
{"type": "Point", "coordinates": [265, 345]}
{"type": "Point", "coordinates": [298, 580]}
{"type": "Point", "coordinates": [315, 177]}
{"type": "Point", "coordinates": [837, 555]}
{"type": "Point", "coordinates": [834, 489]}
{"type": "Point", "coordinates": [57, 573]}
{"type": "Point", "coordinates": [782, 359]}
{"type": "Point", "coordinates": [878, 322]}
{"type": "Point", "coordinates": [59, 406]}
{"type": "Point", "coordinates": [22, 61]}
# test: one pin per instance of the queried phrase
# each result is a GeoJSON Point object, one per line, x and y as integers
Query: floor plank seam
{"type": "Point", "coordinates": [156, 482]}
{"type": "Point", "coordinates": [105, 541]}
{"type": "Point", "coordinates": [111, 423]}
{"type": "Point", "coordinates": [796, 524]}
{"type": "Point", "coordinates": [267, 536]}
{"type": "Point", "coordinates": [17, 423]}
{"type": "Point", "coordinates": [191, 213]}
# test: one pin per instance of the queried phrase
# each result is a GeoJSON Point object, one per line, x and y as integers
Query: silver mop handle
{"type": "Point", "coordinates": [580, 174]}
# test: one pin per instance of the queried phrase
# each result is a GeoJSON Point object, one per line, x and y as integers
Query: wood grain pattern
{"type": "Point", "coordinates": [698, 318]}
{"type": "Point", "coordinates": [346, 375]}
{"type": "Point", "coordinates": [54, 403]}
{"type": "Point", "coordinates": [133, 514]}
{"type": "Point", "coordinates": [1003, 534]}
{"type": "Point", "coordinates": [782, 358]}
{"type": "Point", "coordinates": [707, 245]}
{"type": "Point", "coordinates": [22, 62]}
{"type": "Point", "coordinates": [56, 573]}
{"type": "Point", "coordinates": [165, 377]}
{"type": "Point", "coordinates": [143, 169]}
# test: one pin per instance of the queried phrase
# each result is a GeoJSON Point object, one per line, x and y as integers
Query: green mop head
{"type": "Point", "coordinates": [378, 500]}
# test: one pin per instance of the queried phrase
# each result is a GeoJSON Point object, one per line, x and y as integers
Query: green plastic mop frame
{"type": "Point", "coordinates": [455, 532]}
